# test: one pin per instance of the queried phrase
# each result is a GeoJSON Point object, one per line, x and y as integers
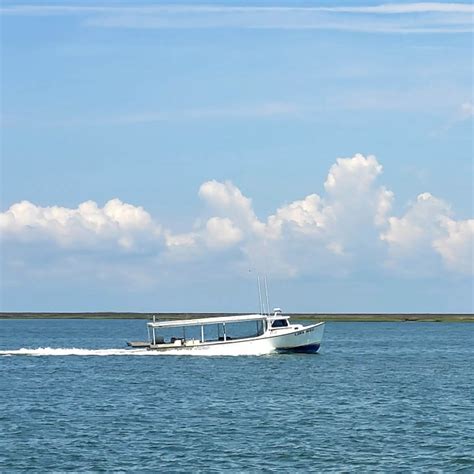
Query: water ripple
{"type": "Point", "coordinates": [379, 398]}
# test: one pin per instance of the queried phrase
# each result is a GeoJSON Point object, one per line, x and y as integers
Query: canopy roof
{"type": "Point", "coordinates": [213, 320]}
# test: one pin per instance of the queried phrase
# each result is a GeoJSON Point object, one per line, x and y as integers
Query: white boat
{"type": "Point", "coordinates": [269, 333]}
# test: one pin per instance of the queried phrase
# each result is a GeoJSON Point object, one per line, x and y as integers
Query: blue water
{"type": "Point", "coordinates": [379, 397]}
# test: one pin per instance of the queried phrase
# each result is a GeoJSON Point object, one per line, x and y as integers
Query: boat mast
{"type": "Point", "coordinates": [260, 296]}
{"type": "Point", "coordinates": [266, 293]}
{"type": "Point", "coordinates": [153, 331]}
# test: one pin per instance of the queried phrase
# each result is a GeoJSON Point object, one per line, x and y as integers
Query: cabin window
{"type": "Point", "coordinates": [280, 323]}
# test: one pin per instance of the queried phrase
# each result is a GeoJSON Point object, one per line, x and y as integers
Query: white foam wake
{"type": "Point", "coordinates": [73, 351]}
{"type": "Point", "coordinates": [67, 351]}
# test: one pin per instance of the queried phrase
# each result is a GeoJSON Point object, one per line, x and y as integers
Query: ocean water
{"type": "Point", "coordinates": [380, 397]}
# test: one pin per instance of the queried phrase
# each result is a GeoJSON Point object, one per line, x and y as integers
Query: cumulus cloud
{"type": "Point", "coordinates": [456, 245]}
{"type": "Point", "coordinates": [354, 197]}
{"type": "Point", "coordinates": [228, 201]}
{"type": "Point", "coordinates": [87, 225]}
{"type": "Point", "coordinates": [427, 228]}
{"type": "Point", "coordinates": [345, 218]}
{"type": "Point", "coordinates": [350, 187]}
{"type": "Point", "coordinates": [349, 226]}
{"type": "Point", "coordinates": [305, 216]}
{"type": "Point", "coordinates": [330, 233]}
{"type": "Point", "coordinates": [355, 174]}
{"type": "Point", "coordinates": [217, 234]}
{"type": "Point", "coordinates": [222, 233]}
{"type": "Point", "coordinates": [418, 226]}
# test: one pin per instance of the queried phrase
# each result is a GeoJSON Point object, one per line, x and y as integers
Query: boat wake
{"type": "Point", "coordinates": [67, 351]}
{"type": "Point", "coordinates": [73, 351]}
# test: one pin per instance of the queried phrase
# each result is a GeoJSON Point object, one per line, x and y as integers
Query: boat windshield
{"type": "Point", "coordinates": [280, 323]}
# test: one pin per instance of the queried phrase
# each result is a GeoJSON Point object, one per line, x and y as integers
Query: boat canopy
{"type": "Point", "coordinates": [213, 320]}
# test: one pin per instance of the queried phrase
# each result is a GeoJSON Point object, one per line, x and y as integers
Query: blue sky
{"type": "Point", "coordinates": [325, 144]}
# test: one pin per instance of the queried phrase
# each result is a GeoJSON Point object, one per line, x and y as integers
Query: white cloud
{"type": "Point", "coordinates": [389, 8]}
{"type": "Point", "coordinates": [406, 8]}
{"type": "Point", "coordinates": [222, 233]}
{"type": "Point", "coordinates": [456, 246]}
{"type": "Point", "coordinates": [331, 225]}
{"type": "Point", "coordinates": [435, 17]}
{"type": "Point", "coordinates": [348, 227]}
{"type": "Point", "coordinates": [352, 197]}
{"type": "Point", "coordinates": [257, 111]}
{"type": "Point", "coordinates": [352, 174]}
{"type": "Point", "coordinates": [462, 113]}
{"type": "Point", "coordinates": [305, 216]}
{"type": "Point", "coordinates": [338, 227]}
{"type": "Point", "coordinates": [346, 224]}
{"type": "Point", "coordinates": [228, 201]}
{"type": "Point", "coordinates": [235, 218]}
{"type": "Point", "coordinates": [427, 228]}
{"type": "Point", "coordinates": [419, 225]}
{"type": "Point", "coordinates": [86, 225]}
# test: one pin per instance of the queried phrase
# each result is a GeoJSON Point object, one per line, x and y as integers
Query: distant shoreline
{"type": "Point", "coordinates": [336, 317]}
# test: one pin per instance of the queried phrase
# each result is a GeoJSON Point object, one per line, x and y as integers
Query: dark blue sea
{"type": "Point", "coordinates": [379, 397]}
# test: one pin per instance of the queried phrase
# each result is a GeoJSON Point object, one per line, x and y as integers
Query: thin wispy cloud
{"type": "Point", "coordinates": [258, 111]}
{"type": "Point", "coordinates": [381, 100]}
{"type": "Point", "coordinates": [391, 8]}
{"type": "Point", "coordinates": [384, 18]}
{"type": "Point", "coordinates": [467, 110]}
{"type": "Point", "coordinates": [463, 113]}
{"type": "Point", "coordinates": [394, 8]}
{"type": "Point", "coordinates": [264, 110]}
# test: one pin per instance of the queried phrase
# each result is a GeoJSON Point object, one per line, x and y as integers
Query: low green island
{"type": "Point", "coordinates": [336, 317]}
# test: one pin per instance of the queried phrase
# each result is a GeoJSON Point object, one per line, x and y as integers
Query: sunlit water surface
{"type": "Point", "coordinates": [378, 397]}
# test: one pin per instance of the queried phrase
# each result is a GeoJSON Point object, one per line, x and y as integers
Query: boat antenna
{"type": "Point", "coordinates": [260, 295]}
{"type": "Point", "coordinates": [266, 293]}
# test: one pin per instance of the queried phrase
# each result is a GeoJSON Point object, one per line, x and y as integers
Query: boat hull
{"type": "Point", "coordinates": [309, 349]}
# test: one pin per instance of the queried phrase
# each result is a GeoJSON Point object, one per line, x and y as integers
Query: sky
{"type": "Point", "coordinates": [160, 156]}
